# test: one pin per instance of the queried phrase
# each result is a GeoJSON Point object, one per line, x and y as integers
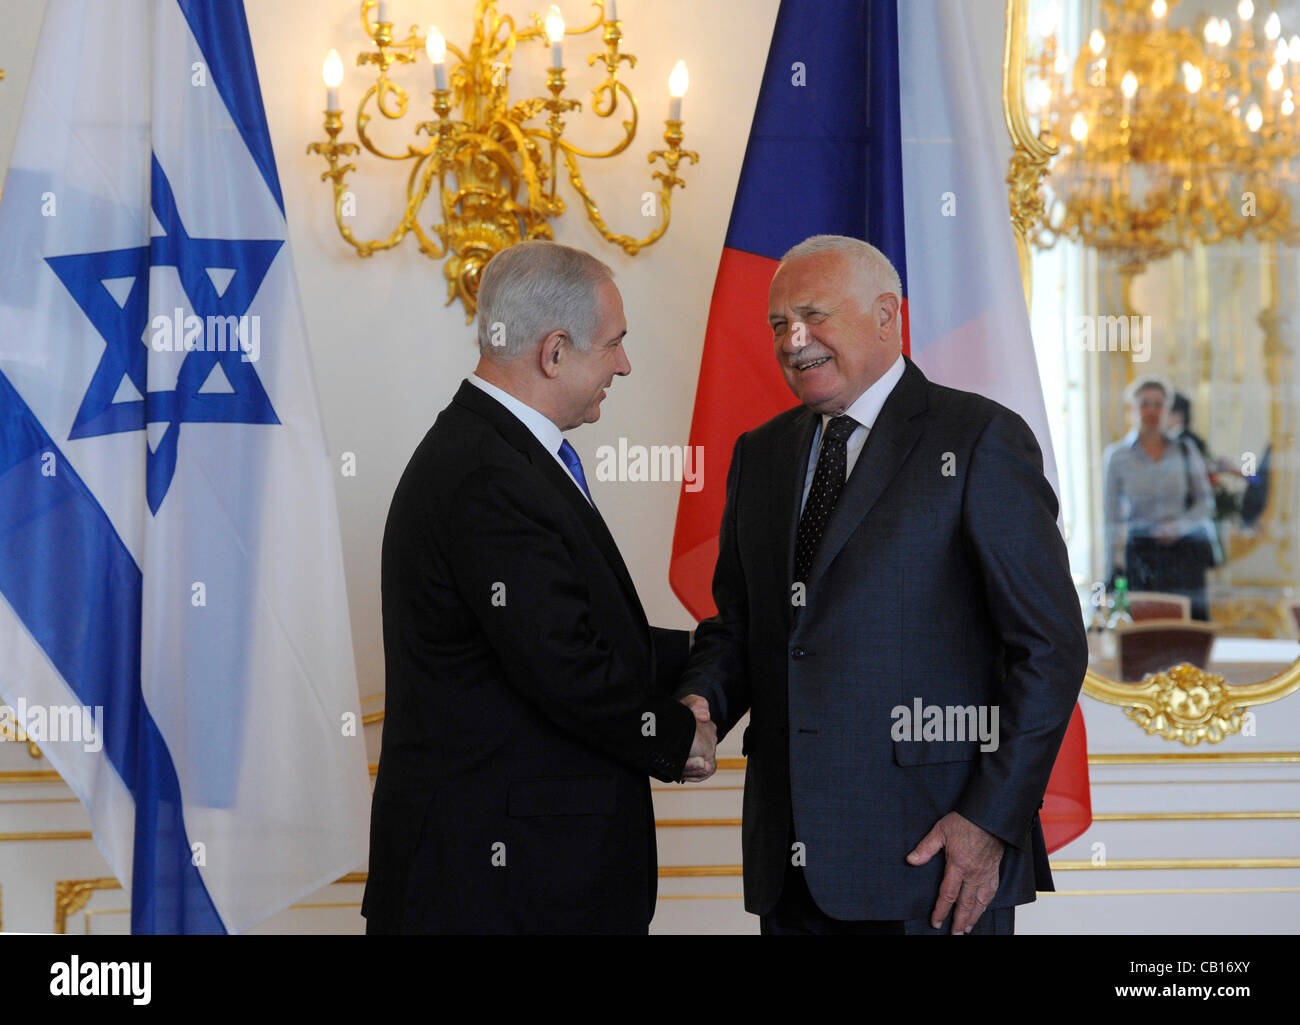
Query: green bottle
{"type": "Point", "coordinates": [1121, 615]}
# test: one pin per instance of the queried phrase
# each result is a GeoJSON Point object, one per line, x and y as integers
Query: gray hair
{"type": "Point", "coordinates": [870, 262]}
{"type": "Point", "coordinates": [534, 288]}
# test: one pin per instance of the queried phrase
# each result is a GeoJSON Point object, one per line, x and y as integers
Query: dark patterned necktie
{"type": "Point", "coordinates": [828, 482]}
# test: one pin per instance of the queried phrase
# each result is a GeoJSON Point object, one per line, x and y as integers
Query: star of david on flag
{"type": "Point", "coordinates": [123, 327]}
{"type": "Point", "coordinates": [170, 561]}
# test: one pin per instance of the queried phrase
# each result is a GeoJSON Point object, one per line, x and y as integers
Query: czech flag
{"type": "Point", "coordinates": [871, 122]}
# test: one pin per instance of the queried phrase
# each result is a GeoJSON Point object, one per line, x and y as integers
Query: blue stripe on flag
{"type": "Point", "coordinates": [221, 30]}
{"type": "Point", "coordinates": [825, 151]}
{"type": "Point", "coordinates": [77, 590]}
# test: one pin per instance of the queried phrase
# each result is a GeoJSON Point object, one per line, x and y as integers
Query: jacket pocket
{"type": "Point", "coordinates": [561, 795]}
{"type": "Point", "coordinates": [934, 752]}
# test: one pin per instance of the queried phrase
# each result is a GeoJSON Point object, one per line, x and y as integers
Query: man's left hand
{"type": "Point", "coordinates": [970, 878]}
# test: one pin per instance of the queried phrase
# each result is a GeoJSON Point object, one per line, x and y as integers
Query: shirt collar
{"type": "Point", "coordinates": [541, 426]}
{"type": "Point", "coordinates": [866, 407]}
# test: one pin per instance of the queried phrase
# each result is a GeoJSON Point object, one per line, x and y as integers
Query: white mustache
{"type": "Point", "coordinates": [803, 358]}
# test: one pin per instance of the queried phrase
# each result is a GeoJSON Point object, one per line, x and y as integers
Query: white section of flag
{"type": "Point", "coordinates": [966, 302]}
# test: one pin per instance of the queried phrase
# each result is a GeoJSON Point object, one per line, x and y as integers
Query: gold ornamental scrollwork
{"type": "Point", "coordinates": [71, 895]}
{"type": "Point", "coordinates": [491, 163]}
{"type": "Point", "coordinates": [1188, 704]}
{"type": "Point", "coordinates": [1031, 152]}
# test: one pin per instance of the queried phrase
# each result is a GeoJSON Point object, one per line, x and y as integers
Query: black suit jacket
{"type": "Point", "coordinates": [941, 576]}
{"type": "Point", "coordinates": [527, 698]}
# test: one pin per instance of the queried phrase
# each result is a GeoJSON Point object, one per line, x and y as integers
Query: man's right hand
{"type": "Point", "coordinates": [703, 759]}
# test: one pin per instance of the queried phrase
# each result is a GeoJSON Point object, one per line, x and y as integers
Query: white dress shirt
{"type": "Point", "coordinates": [539, 424]}
{"type": "Point", "coordinates": [865, 408]}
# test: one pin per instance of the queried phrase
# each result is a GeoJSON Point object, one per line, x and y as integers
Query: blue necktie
{"type": "Point", "coordinates": [570, 459]}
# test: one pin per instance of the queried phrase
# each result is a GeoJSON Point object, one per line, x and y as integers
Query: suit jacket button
{"type": "Point", "coordinates": [798, 652]}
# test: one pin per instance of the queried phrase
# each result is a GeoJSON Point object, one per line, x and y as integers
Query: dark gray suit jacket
{"type": "Point", "coordinates": [942, 576]}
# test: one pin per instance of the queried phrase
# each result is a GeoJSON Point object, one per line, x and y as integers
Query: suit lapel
{"type": "Point", "coordinates": [793, 449]}
{"type": "Point", "coordinates": [889, 441]}
{"type": "Point", "coordinates": [521, 438]}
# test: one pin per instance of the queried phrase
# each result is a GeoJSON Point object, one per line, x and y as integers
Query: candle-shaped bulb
{"type": "Point", "coordinates": [1078, 128]}
{"type": "Point", "coordinates": [332, 70]}
{"type": "Point", "coordinates": [1273, 26]}
{"type": "Point", "coordinates": [1282, 53]}
{"type": "Point", "coordinates": [555, 33]}
{"type": "Point", "coordinates": [1275, 77]}
{"type": "Point", "coordinates": [1245, 10]}
{"type": "Point", "coordinates": [1254, 117]}
{"type": "Point", "coordinates": [1192, 77]}
{"type": "Point", "coordinates": [1159, 9]}
{"type": "Point", "coordinates": [435, 45]}
{"type": "Point", "coordinates": [1097, 41]}
{"type": "Point", "coordinates": [554, 25]}
{"type": "Point", "coordinates": [678, 82]}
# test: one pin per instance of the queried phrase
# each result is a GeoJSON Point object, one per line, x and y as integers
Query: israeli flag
{"type": "Point", "coordinates": [170, 565]}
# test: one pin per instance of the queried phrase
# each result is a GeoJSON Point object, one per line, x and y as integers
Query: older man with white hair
{"type": "Point", "coordinates": [896, 613]}
{"type": "Point", "coordinates": [527, 697]}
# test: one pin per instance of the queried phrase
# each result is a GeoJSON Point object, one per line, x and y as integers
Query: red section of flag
{"type": "Point", "coordinates": [1067, 806]}
{"type": "Point", "coordinates": [741, 386]}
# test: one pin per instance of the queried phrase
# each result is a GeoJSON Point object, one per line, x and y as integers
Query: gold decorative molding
{"type": "Point", "coordinates": [47, 836]}
{"type": "Point", "coordinates": [1134, 758]}
{"type": "Point", "coordinates": [1031, 152]}
{"type": "Point", "coordinates": [12, 732]}
{"type": "Point", "coordinates": [1167, 891]}
{"type": "Point", "coordinates": [1193, 816]}
{"type": "Point", "coordinates": [1162, 864]}
{"type": "Point", "coordinates": [1135, 816]}
{"type": "Point", "coordinates": [71, 895]}
{"type": "Point", "coordinates": [1080, 865]}
{"type": "Point", "coordinates": [31, 776]}
{"type": "Point", "coordinates": [697, 871]}
{"type": "Point", "coordinates": [1188, 704]}
{"type": "Point", "coordinates": [1165, 757]}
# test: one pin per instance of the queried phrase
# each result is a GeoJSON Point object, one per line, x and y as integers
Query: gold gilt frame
{"type": "Point", "coordinates": [1184, 703]}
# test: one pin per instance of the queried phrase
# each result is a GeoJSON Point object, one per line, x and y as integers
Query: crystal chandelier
{"type": "Point", "coordinates": [1168, 136]}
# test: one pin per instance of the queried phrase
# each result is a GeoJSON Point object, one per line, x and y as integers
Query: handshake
{"type": "Point", "coordinates": [702, 762]}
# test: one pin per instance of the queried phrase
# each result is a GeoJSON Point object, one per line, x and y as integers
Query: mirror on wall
{"type": "Point", "coordinates": [1157, 190]}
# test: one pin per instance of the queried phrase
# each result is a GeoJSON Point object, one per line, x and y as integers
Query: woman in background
{"type": "Point", "coordinates": [1158, 504]}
